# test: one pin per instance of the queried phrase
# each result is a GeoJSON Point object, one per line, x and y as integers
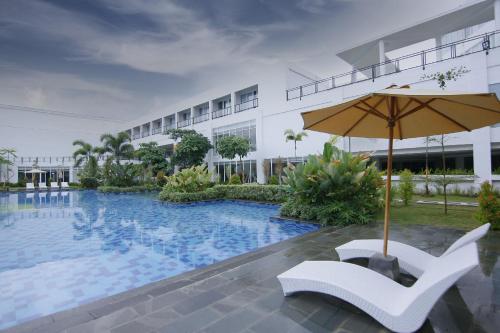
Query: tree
{"type": "Point", "coordinates": [191, 150]}
{"type": "Point", "coordinates": [118, 146]}
{"type": "Point", "coordinates": [178, 133]}
{"type": "Point", "coordinates": [231, 146]}
{"type": "Point", "coordinates": [152, 157]}
{"type": "Point", "coordinates": [427, 192]}
{"type": "Point", "coordinates": [88, 154]}
{"type": "Point", "coordinates": [441, 140]}
{"type": "Point", "coordinates": [406, 186]}
{"type": "Point", "coordinates": [290, 135]}
{"type": "Point", "coordinates": [5, 155]}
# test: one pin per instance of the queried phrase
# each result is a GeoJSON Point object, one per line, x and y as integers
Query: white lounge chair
{"type": "Point", "coordinates": [30, 187]}
{"type": "Point", "coordinates": [411, 259]}
{"type": "Point", "coordinates": [54, 186]}
{"type": "Point", "coordinates": [64, 185]}
{"type": "Point", "coordinates": [42, 186]}
{"type": "Point", "coordinates": [399, 308]}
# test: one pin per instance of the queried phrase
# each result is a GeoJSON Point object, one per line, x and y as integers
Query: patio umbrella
{"type": "Point", "coordinates": [401, 113]}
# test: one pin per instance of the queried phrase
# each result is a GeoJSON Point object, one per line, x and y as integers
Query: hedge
{"type": "Point", "coordinates": [267, 193]}
{"type": "Point", "coordinates": [138, 188]}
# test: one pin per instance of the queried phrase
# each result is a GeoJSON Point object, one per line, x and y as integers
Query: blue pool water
{"type": "Point", "coordinates": [63, 249]}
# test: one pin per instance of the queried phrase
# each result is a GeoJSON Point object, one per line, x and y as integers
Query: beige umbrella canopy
{"type": "Point", "coordinates": [401, 113]}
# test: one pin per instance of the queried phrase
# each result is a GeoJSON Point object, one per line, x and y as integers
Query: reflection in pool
{"type": "Point", "coordinates": [59, 250]}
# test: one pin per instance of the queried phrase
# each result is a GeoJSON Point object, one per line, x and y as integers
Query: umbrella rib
{"type": "Point", "coordinates": [374, 108]}
{"type": "Point", "coordinates": [332, 115]}
{"type": "Point", "coordinates": [356, 123]}
{"type": "Point", "coordinates": [466, 104]}
{"type": "Point", "coordinates": [415, 109]}
{"type": "Point", "coordinates": [448, 118]}
{"type": "Point", "coordinates": [369, 112]}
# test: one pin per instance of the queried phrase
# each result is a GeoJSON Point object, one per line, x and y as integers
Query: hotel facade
{"type": "Point", "coordinates": [262, 106]}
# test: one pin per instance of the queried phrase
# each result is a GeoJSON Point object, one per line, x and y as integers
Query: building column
{"type": "Point", "coordinates": [481, 145]}
{"type": "Point", "coordinates": [381, 56]}
{"type": "Point", "coordinates": [439, 53]}
{"type": "Point", "coordinates": [497, 22]}
{"type": "Point", "coordinates": [353, 74]}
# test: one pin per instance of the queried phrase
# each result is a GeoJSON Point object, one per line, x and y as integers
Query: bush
{"type": "Point", "coordinates": [234, 180]}
{"type": "Point", "coordinates": [161, 179]}
{"type": "Point", "coordinates": [334, 188]}
{"type": "Point", "coordinates": [268, 193]}
{"type": "Point", "coordinates": [489, 207]}
{"type": "Point", "coordinates": [138, 188]}
{"type": "Point", "coordinates": [208, 194]}
{"type": "Point", "coordinates": [406, 186]}
{"type": "Point", "coordinates": [273, 180]}
{"type": "Point", "coordinates": [123, 175]}
{"type": "Point", "coordinates": [194, 179]}
{"type": "Point", "coordinates": [89, 182]}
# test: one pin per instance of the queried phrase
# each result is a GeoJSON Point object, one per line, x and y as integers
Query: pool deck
{"type": "Point", "coordinates": [242, 294]}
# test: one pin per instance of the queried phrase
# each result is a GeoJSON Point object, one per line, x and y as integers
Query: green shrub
{"type": "Point", "coordinates": [335, 187]}
{"type": "Point", "coordinates": [208, 194]}
{"type": "Point", "coordinates": [123, 175]}
{"type": "Point", "coordinates": [268, 193]}
{"type": "Point", "coordinates": [273, 180]}
{"type": "Point", "coordinates": [89, 182]}
{"type": "Point", "coordinates": [194, 179]}
{"type": "Point", "coordinates": [234, 180]}
{"type": "Point", "coordinates": [489, 207]}
{"type": "Point", "coordinates": [137, 188]}
{"type": "Point", "coordinates": [406, 186]}
{"type": "Point", "coordinates": [392, 195]}
{"type": "Point", "coordinates": [161, 179]}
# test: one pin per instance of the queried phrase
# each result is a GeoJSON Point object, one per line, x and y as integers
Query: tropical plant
{"type": "Point", "coordinates": [489, 207]}
{"type": "Point", "coordinates": [120, 174]}
{"type": "Point", "coordinates": [118, 146]}
{"type": "Point", "coordinates": [234, 180]}
{"type": "Point", "coordinates": [334, 187]}
{"type": "Point", "coordinates": [152, 158]}
{"type": "Point", "coordinates": [231, 146]}
{"type": "Point", "coordinates": [273, 180]}
{"type": "Point", "coordinates": [193, 179]}
{"type": "Point", "coordinates": [406, 186]}
{"type": "Point", "coordinates": [191, 150]}
{"type": "Point", "coordinates": [290, 135]}
{"type": "Point", "coordinates": [161, 179]}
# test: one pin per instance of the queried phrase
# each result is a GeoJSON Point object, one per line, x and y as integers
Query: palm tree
{"type": "Point", "coordinates": [118, 146]}
{"type": "Point", "coordinates": [85, 152]}
{"type": "Point", "coordinates": [290, 135]}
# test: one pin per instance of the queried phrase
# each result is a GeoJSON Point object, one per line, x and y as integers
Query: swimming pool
{"type": "Point", "coordinates": [62, 249]}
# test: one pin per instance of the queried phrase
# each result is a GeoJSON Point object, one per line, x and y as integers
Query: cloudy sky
{"type": "Point", "coordinates": [123, 58]}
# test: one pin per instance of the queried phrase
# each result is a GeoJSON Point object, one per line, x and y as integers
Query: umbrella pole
{"type": "Point", "coordinates": [388, 189]}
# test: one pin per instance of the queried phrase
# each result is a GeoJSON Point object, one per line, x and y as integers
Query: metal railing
{"type": "Point", "coordinates": [246, 105]}
{"type": "Point", "coordinates": [145, 134]}
{"type": "Point", "coordinates": [201, 118]}
{"type": "Point", "coordinates": [136, 136]}
{"type": "Point", "coordinates": [168, 127]}
{"type": "Point", "coordinates": [156, 130]}
{"type": "Point", "coordinates": [221, 112]}
{"type": "Point", "coordinates": [481, 43]}
{"type": "Point", "coordinates": [183, 123]}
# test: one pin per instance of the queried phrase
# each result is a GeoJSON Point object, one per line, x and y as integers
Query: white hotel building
{"type": "Point", "coordinates": [266, 104]}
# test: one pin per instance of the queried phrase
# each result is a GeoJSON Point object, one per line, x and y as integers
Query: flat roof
{"type": "Point", "coordinates": [470, 14]}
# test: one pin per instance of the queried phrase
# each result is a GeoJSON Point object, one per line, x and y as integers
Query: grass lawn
{"type": "Point", "coordinates": [458, 217]}
{"type": "Point", "coordinates": [438, 197]}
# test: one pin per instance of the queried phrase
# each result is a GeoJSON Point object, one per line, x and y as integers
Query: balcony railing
{"type": "Point", "coordinates": [145, 134]}
{"type": "Point", "coordinates": [136, 136]}
{"type": "Point", "coordinates": [183, 123]}
{"type": "Point", "coordinates": [221, 113]}
{"type": "Point", "coordinates": [481, 43]}
{"type": "Point", "coordinates": [168, 127]}
{"type": "Point", "coordinates": [156, 130]}
{"type": "Point", "coordinates": [246, 105]}
{"type": "Point", "coordinates": [201, 118]}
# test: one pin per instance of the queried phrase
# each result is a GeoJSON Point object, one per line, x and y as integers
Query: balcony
{"type": "Point", "coordinates": [251, 104]}
{"type": "Point", "coordinates": [156, 130]}
{"type": "Point", "coordinates": [221, 113]}
{"type": "Point", "coordinates": [183, 123]}
{"type": "Point", "coordinates": [481, 43]}
{"type": "Point", "coordinates": [201, 118]}
{"type": "Point", "coordinates": [136, 136]}
{"type": "Point", "coordinates": [168, 127]}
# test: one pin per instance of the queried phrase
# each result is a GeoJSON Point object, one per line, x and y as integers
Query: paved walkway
{"type": "Point", "coordinates": [242, 294]}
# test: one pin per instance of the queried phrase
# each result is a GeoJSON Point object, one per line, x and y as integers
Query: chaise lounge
{"type": "Point", "coordinates": [54, 186]}
{"type": "Point", "coordinates": [30, 187]}
{"type": "Point", "coordinates": [399, 308]}
{"type": "Point", "coordinates": [411, 259]}
{"type": "Point", "coordinates": [64, 185]}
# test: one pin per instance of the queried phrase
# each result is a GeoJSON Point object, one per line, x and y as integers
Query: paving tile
{"type": "Point", "coordinates": [132, 327]}
{"type": "Point", "coordinates": [114, 319]}
{"type": "Point", "coordinates": [193, 322]}
{"type": "Point", "coordinates": [235, 322]}
{"type": "Point", "coordinates": [197, 302]}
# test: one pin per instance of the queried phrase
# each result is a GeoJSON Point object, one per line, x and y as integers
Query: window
{"type": "Point", "coordinates": [244, 130]}
{"type": "Point", "coordinates": [246, 97]}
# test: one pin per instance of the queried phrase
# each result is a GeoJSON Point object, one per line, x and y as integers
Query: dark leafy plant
{"type": "Point", "coordinates": [489, 207]}
{"type": "Point", "coordinates": [336, 187]}
{"type": "Point", "coordinates": [231, 146]}
{"type": "Point", "coordinates": [191, 150]}
{"type": "Point", "coordinates": [152, 157]}
{"type": "Point", "coordinates": [194, 179]}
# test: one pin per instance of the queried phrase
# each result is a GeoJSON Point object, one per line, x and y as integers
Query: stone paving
{"type": "Point", "coordinates": [242, 294]}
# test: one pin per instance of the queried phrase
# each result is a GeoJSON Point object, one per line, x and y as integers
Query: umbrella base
{"type": "Point", "coordinates": [385, 265]}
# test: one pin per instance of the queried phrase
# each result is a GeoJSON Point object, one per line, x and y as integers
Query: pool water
{"type": "Point", "coordinates": [59, 250]}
